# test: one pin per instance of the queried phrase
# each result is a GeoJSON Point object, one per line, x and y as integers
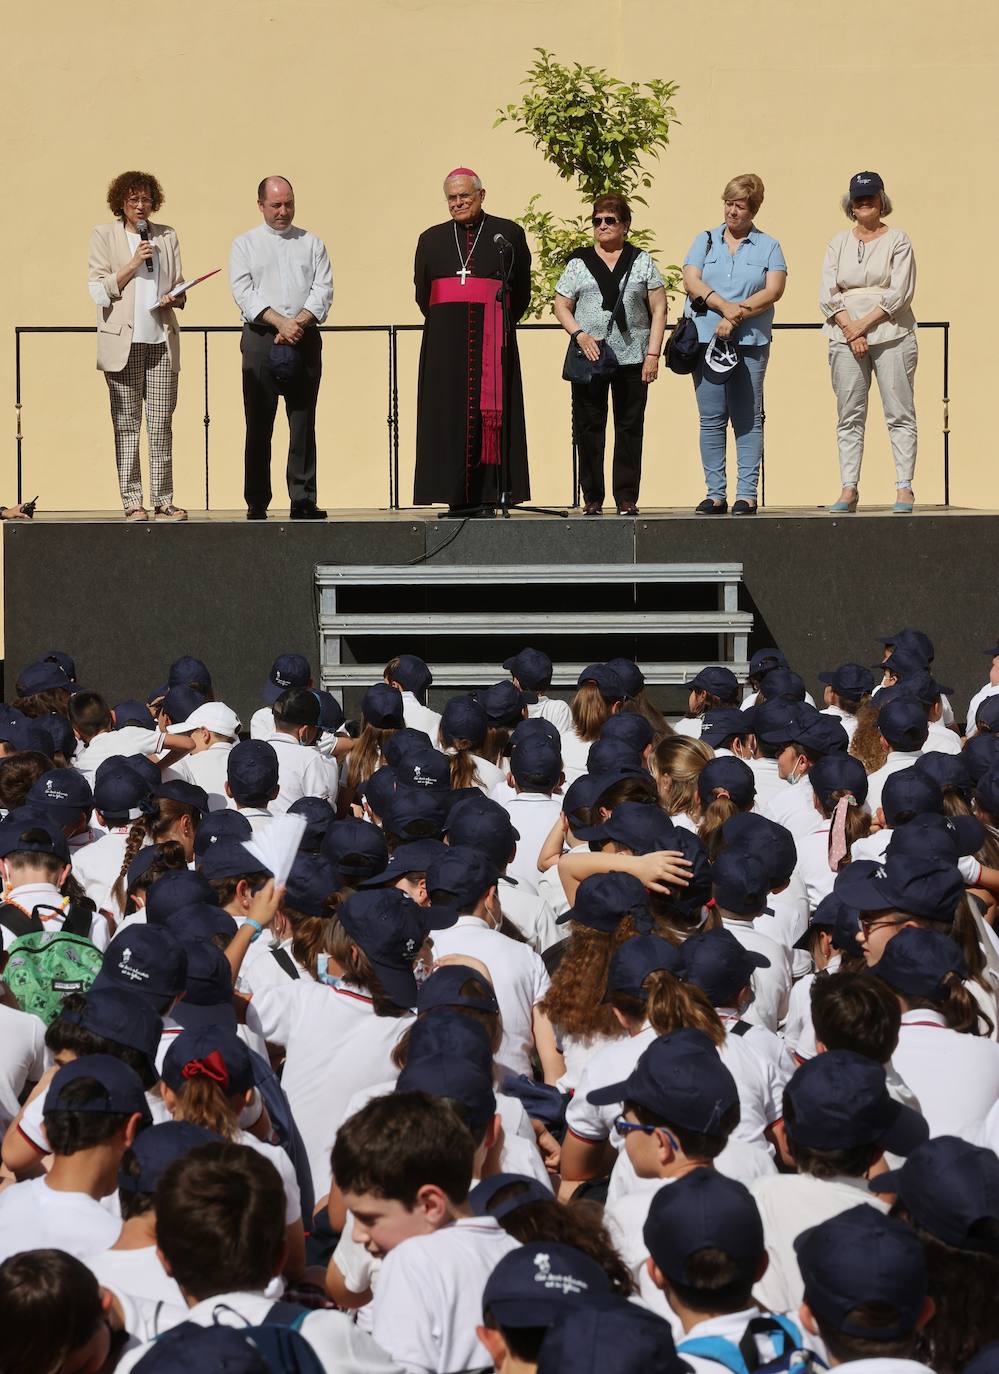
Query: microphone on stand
{"type": "Point", "coordinates": [143, 228]}
{"type": "Point", "coordinates": [502, 243]}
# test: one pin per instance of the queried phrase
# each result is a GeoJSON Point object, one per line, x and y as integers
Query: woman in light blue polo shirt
{"type": "Point", "coordinates": [732, 275]}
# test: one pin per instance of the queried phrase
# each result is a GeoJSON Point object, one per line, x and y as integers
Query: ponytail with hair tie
{"type": "Point", "coordinates": [838, 845]}
{"type": "Point", "coordinates": [212, 1066]}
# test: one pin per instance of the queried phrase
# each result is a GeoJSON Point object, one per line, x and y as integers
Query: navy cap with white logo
{"type": "Point", "coordinates": [679, 1078]}
{"type": "Point", "coordinates": [391, 929]}
{"type": "Point", "coordinates": [704, 1210]}
{"type": "Point", "coordinates": [531, 668]}
{"type": "Point", "coordinates": [426, 768]}
{"type": "Point", "coordinates": [155, 1149]}
{"type": "Point", "coordinates": [918, 963]}
{"type": "Point", "coordinates": [914, 885]}
{"type": "Point", "coordinates": [122, 1095]}
{"type": "Point", "coordinates": [218, 826]}
{"type": "Point", "coordinates": [633, 961]}
{"type": "Point", "coordinates": [411, 673]}
{"type": "Point", "coordinates": [721, 358]}
{"type": "Point", "coordinates": [176, 889]}
{"type": "Point", "coordinates": [147, 960]}
{"type": "Point", "coordinates": [726, 777]}
{"type": "Point", "coordinates": [536, 1283]}
{"type": "Point", "coordinates": [718, 681]}
{"type": "Point", "coordinates": [840, 1101]}
{"type": "Point", "coordinates": [850, 680]}
{"type": "Point", "coordinates": [415, 857]}
{"type": "Point", "coordinates": [717, 963]}
{"type": "Point", "coordinates": [861, 1258]}
{"type": "Point", "coordinates": [631, 727]}
{"type": "Point", "coordinates": [613, 1337]}
{"type": "Point", "coordinates": [252, 769]}
{"type": "Point", "coordinates": [632, 677]}
{"type": "Point", "coordinates": [606, 681]}
{"type": "Point", "coordinates": [287, 670]}
{"type": "Point", "coordinates": [603, 900]}
{"type": "Point", "coordinates": [865, 184]}
{"type": "Point", "coordinates": [723, 724]}
{"type": "Point", "coordinates": [381, 707]}
{"type": "Point", "coordinates": [948, 1187]}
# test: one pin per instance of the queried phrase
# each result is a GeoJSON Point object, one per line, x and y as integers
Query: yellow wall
{"type": "Point", "coordinates": [365, 107]}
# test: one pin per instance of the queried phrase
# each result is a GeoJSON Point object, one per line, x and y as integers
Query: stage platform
{"type": "Point", "coordinates": [126, 599]}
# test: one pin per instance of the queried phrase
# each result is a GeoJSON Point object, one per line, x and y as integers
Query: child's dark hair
{"type": "Point", "coordinates": [62, 1034]}
{"type": "Point", "coordinates": [396, 1145]}
{"type": "Point", "coordinates": [70, 1131]}
{"type": "Point", "coordinates": [18, 774]}
{"type": "Point", "coordinates": [89, 715]}
{"type": "Point", "coordinates": [220, 1220]}
{"type": "Point", "coordinates": [852, 1011]}
{"type": "Point", "coordinates": [715, 1282]}
{"type": "Point", "coordinates": [849, 1163]}
{"type": "Point", "coordinates": [54, 702]}
{"type": "Point", "coordinates": [579, 1224]}
{"type": "Point", "coordinates": [131, 1202]}
{"type": "Point", "coordinates": [165, 813]}
{"type": "Point", "coordinates": [873, 1316]}
{"type": "Point", "coordinates": [694, 1144]}
{"type": "Point", "coordinates": [50, 1309]}
{"type": "Point", "coordinates": [225, 888]}
{"type": "Point", "coordinates": [170, 856]}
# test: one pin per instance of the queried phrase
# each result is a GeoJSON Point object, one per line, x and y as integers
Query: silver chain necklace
{"type": "Point", "coordinates": [465, 271]}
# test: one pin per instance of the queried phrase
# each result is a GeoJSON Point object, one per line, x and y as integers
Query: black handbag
{"type": "Point", "coordinates": [682, 344]}
{"type": "Point", "coordinates": [578, 367]}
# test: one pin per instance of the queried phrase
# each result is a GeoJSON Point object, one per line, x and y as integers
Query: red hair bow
{"type": "Point", "coordinates": [212, 1066]}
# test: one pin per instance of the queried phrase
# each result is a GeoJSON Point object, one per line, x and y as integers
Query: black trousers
{"type": "Point", "coordinates": [589, 411]}
{"type": "Point", "coordinates": [260, 399]}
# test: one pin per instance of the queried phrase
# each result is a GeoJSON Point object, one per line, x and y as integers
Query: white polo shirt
{"type": "Point", "coordinates": [848, 722]}
{"type": "Point", "coordinates": [813, 864]}
{"type": "Point", "coordinates": [789, 1204]}
{"type": "Point", "coordinates": [29, 895]}
{"type": "Point", "coordinates": [625, 1218]}
{"type": "Point", "coordinates": [984, 692]}
{"type": "Point", "coordinates": [612, 1062]}
{"type": "Point", "coordinates": [896, 762]}
{"type": "Point", "coordinates": [955, 1076]}
{"type": "Point", "coordinates": [785, 919]}
{"type": "Point", "coordinates": [335, 1046]}
{"type": "Point", "coordinates": [127, 742]}
{"type": "Point", "coordinates": [532, 915]}
{"type": "Point", "coordinates": [771, 986]}
{"type": "Point", "coordinates": [259, 817]}
{"type": "Point", "coordinates": [769, 783]}
{"type": "Point", "coordinates": [550, 884]}
{"type": "Point", "coordinates": [574, 755]}
{"type": "Point", "coordinates": [416, 716]}
{"type": "Point", "coordinates": [207, 769]}
{"type": "Point", "coordinates": [799, 1033]}
{"type": "Point", "coordinates": [533, 815]}
{"type": "Point", "coordinates": [520, 981]}
{"type": "Point", "coordinates": [688, 726]}
{"type": "Point", "coordinates": [941, 740]}
{"type": "Point", "coordinates": [34, 1216]}
{"type": "Point", "coordinates": [301, 773]}
{"type": "Point", "coordinates": [138, 1273]}
{"type": "Point", "coordinates": [98, 865]}
{"type": "Point", "coordinates": [333, 1336]}
{"type": "Point", "coordinates": [794, 808]}
{"type": "Point", "coordinates": [555, 711]}
{"type": "Point", "coordinates": [22, 1058]}
{"type": "Point", "coordinates": [428, 1300]}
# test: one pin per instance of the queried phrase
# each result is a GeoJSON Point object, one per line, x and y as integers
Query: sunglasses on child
{"type": "Point", "coordinates": [609, 220]}
{"type": "Point", "coordinates": [624, 1127]}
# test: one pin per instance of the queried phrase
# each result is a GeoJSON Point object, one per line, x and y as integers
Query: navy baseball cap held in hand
{"type": "Point", "coordinates": [311, 882]}
{"type": "Point", "coordinates": [718, 964]}
{"type": "Point", "coordinates": [717, 682]}
{"type": "Point", "coordinates": [704, 1210]}
{"type": "Point", "coordinates": [391, 929]}
{"type": "Point", "coordinates": [721, 358]}
{"type": "Point", "coordinates": [631, 728]}
{"type": "Point", "coordinates": [859, 1258]}
{"type": "Point", "coordinates": [679, 1078]}
{"type": "Point", "coordinates": [849, 680]}
{"type": "Point", "coordinates": [633, 961]}
{"type": "Point", "coordinates": [381, 707]}
{"type": "Point", "coordinates": [917, 963]}
{"type": "Point", "coordinates": [532, 669]}
{"type": "Point", "coordinates": [606, 681]}
{"type": "Point", "coordinates": [613, 1337]}
{"type": "Point", "coordinates": [536, 1283]}
{"type": "Point", "coordinates": [903, 724]}
{"type": "Point", "coordinates": [838, 774]}
{"type": "Point", "coordinates": [287, 670]}
{"type": "Point", "coordinates": [726, 777]}
{"type": "Point", "coordinates": [947, 1186]}
{"type": "Point", "coordinates": [415, 857]}
{"type": "Point", "coordinates": [410, 672]}
{"type": "Point", "coordinates": [913, 885]}
{"type": "Point", "coordinates": [603, 900]}
{"type": "Point", "coordinates": [148, 961]}
{"type": "Point", "coordinates": [632, 677]}
{"type": "Point", "coordinates": [638, 826]}
{"type": "Point", "coordinates": [741, 882]}
{"type": "Point", "coordinates": [840, 1101]}
{"type": "Point", "coordinates": [122, 1091]}
{"type": "Point", "coordinates": [155, 1149]}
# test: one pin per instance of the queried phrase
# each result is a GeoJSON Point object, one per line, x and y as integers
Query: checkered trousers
{"type": "Point", "coordinates": [148, 377]}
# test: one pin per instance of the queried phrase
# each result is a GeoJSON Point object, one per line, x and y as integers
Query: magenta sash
{"type": "Point", "coordinates": [481, 291]}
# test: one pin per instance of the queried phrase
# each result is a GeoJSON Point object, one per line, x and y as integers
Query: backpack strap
{"type": "Point", "coordinates": [79, 920]}
{"type": "Point", "coordinates": [285, 961]}
{"type": "Point", "coordinates": [290, 1314]}
{"type": "Point", "coordinates": [744, 1358]}
{"type": "Point", "coordinates": [717, 1349]}
{"type": "Point", "coordinates": [12, 918]}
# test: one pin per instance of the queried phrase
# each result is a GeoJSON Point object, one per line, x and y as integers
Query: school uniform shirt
{"type": "Point", "coordinates": [880, 1365]}
{"type": "Point", "coordinates": [785, 919]}
{"type": "Point", "coordinates": [987, 691]}
{"type": "Point", "coordinates": [769, 783]}
{"type": "Point", "coordinates": [848, 722]}
{"type": "Point", "coordinates": [688, 726]}
{"type": "Point", "coordinates": [130, 740]}
{"type": "Point", "coordinates": [337, 1342]}
{"type": "Point", "coordinates": [282, 1163]}
{"type": "Point", "coordinates": [896, 762]}
{"type": "Point", "coordinates": [550, 884]}
{"type": "Point", "coordinates": [428, 1300]}
{"type": "Point", "coordinates": [301, 773]}
{"type": "Point", "coordinates": [683, 820]}
{"type": "Point", "coordinates": [335, 1045]}
{"type": "Point", "coordinates": [207, 769]}
{"type": "Point", "coordinates": [955, 1076]}
{"type": "Point", "coordinates": [577, 1051]}
{"type": "Point", "coordinates": [29, 895]}
{"type": "Point", "coordinates": [138, 1273]}
{"type": "Point", "coordinates": [97, 868]}
{"type": "Point", "coordinates": [574, 756]}
{"type": "Point", "coordinates": [22, 1059]}
{"type": "Point", "coordinates": [263, 970]}
{"type": "Point", "coordinates": [770, 1049]}
{"type": "Point", "coordinates": [611, 1062]}
{"type": "Point", "coordinates": [531, 914]}
{"type": "Point", "coordinates": [771, 986]}
{"type": "Point", "coordinates": [794, 808]}
{"type": "Point", "coordinates": [557, 712]}
{"type": "Point", "coordinates": [416, 716]}
{"type": "Point", "coordinates": [625, 1219]}
{"type": "Point", "coordinates": [813, 864]}
{"type": "Point", "coordinates": [34, 1216]}
{"type": "Point", "coordinates": [533, 815]}
{"type": "Point", "coordinates": [941, 740]}
{"type": "Point", "coordinates": [520, 981]}
{"type": "Point", "coordinates": [799, 1033]}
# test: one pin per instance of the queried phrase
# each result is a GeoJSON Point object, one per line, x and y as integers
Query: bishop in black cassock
{"type": "Point", "coordinates": [470, 396]}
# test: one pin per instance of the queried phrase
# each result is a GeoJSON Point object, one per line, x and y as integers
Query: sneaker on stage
{"type": "Point", "coordinates": [306, 510]}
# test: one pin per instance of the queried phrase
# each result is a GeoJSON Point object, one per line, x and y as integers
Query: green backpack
{"type": "Point", "coordinates": [42, 968]}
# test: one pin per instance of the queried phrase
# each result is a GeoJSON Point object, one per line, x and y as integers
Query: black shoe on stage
{"type": "Point", "coordinates": [468, 513]}
{"type": "Point", "coordinates": [744, 508]}
{"type": "Point", "coordinates": [256, 513]}
{"type": "Point", "coordinates": [306, 510]}
{"type": "Point", "coordinates": [708, 507]}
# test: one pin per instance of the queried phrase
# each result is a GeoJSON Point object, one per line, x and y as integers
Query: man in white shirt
{"type": "Point", "coordinates": [301, 771]}
{"type": "Point", "coordinates": [220, 1229]}
{"type": "Point", "coordinates": [213, 729]}
{"type": "Point", "coordinates": [838, 1121]}
{"type": "Point", "coordinates": [281, 280]}
{"type": "Point", "coordinates": [904, 729]}
{"type": "Point", "coordinates": [94, 1108]}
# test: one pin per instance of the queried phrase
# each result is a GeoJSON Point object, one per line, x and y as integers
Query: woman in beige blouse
{"type": "Point", "coordinates": [868, 281]}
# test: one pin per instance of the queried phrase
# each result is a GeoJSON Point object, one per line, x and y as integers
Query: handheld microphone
{"type": "Point", "coordinates": [143, 229]}
{"type": "Point", "coordinates": [502, 243]}
{"type": "Point", "coordinates": [29, 507]}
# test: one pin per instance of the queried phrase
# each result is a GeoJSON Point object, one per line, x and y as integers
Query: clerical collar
{"type": "Point", "coordinates": [279, 233]}
{"type": "Point", "coordinates": [474, 225]}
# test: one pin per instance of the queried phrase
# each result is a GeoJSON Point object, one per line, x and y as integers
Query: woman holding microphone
{"type": "Point", "coordinates": [134, 265]}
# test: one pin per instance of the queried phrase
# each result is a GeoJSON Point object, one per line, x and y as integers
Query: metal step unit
{"type": "Point", "coordinates": [727, 626]}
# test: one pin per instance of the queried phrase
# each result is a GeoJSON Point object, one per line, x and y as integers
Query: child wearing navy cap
{"type": "Point", "coordinates": [903, 728]}
{"type": "Point", "coordinates": [741, 883]}
{"type": "Point", "coordinates": [531, 671]}
{"type": "Point", "coordinates": [302, 771]}
{"type": "Point", "coordinates": [712, 687]}
{"type": "Point", "coordinates": [535, 773]}
{"type": "Point", "coordinates": [725, 786]}
{"type": "Point", "coordinates": [287, 670]}
{"type": "Point", "coordinates": [839, 789]}
{"type": "Point", "coordinates": [252, 781]}
{"type": "Point", "coordinates": [35, 864]}
{"type": "Point", "coordinates": [463, 730]}
{"type": "Point", "coordinates": [381, 716]}
{"type": "Point", "coordinates": [600, 694]}
{"type": "Point", "coordinates": [411, 676]}
{"type": "Point", "coordinates": [847, 689]}
{"type": "Point", "coordinates": [506, 708]}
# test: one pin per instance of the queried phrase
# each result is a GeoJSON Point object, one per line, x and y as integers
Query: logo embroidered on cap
{"type": "Point", "coordinates": [280, 681]}
{"type": "Point", "coordinates": [565, 1283]}
{"type": "Point", "coordinates": [128, 970]}
{"type": "Point", "coordinates": [410, 948]}
{"type": "Point", "coordinates": [879, 873]}
{"type": "Point", "coordinates": [55, 792]}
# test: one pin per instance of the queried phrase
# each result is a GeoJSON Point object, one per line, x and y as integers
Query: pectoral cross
{"type": "Point", "coordinates": [463, 273]}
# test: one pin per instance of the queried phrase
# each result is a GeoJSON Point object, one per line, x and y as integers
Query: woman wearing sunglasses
{"type": "Point", "coordinates": [733, 274]}
{"type": "Point", "coordinates": [586, 306]}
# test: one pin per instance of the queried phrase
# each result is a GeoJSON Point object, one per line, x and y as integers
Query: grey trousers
{"type": "Point", "coordinates": [894, 366]}
{"type": "Point", "coordinates": [146, 377]}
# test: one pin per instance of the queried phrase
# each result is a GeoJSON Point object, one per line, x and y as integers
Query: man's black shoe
{"type": "Point", "coordinates": [306, 510]}
{"type": "Point", "coordinates": [256, 513]}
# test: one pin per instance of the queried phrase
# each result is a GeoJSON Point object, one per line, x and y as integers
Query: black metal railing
{"type": "Point", "coordinates": [392, 332]}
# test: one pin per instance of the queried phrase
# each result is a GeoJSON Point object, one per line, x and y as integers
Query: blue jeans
{"type": "Point", "coordinates": [740, 400]}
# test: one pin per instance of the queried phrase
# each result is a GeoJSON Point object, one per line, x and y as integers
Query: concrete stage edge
{"type": "Point", "coordinates": [126, 599]}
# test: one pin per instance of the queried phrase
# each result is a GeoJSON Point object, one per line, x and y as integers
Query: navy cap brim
{"type": "Point", "coordinates": [604, 1097]}
{"type": "Point", "coordinates": [270, 693]}
{"type": "Point", "coordinates": [442, 917]}
{"type": "Point", "coordinates": [804, 940]}
{"type": "Point", "coordinates": [889, 1182]}
{"type": "Point", "coordinates": [908, 1131]}
{"type": "Point", "coordinates": [398, 984]}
